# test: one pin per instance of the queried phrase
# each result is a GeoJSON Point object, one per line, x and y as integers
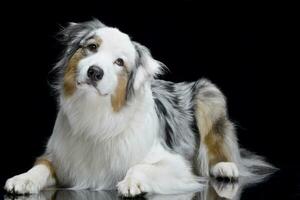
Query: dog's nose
{"type": "Point", "coordinates": [95, 73]}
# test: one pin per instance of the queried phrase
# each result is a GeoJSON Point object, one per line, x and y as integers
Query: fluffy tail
{"type": "Point", "coordinates": [253, 165]}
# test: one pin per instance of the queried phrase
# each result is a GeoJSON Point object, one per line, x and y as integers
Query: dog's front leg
{"type": "Point", "coordinates": [161, 173]}
{"type": "Point", "coordinates": [38, 177]}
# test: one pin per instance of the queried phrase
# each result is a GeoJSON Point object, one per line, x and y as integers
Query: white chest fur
{"type": "Point", "coordinates": [92, 147]}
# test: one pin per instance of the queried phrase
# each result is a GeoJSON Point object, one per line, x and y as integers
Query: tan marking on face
{"type": "Point", "coordinates": [70, 73]}
{"type": "Point", "coordinates": [118, 99]}
{"type": "Point", "coordinates": [48, 164]}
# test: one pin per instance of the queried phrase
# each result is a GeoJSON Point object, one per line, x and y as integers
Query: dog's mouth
{"type": "Point", "coordinates": [90, 84]}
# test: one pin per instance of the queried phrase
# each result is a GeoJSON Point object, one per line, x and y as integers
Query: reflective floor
{"type": "Point", "coordinates": [272, 187]}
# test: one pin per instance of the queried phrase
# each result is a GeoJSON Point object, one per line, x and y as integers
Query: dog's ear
{"type": "Point", "coordinates": [147, 66]}
{"type": "Point", "coordinates": [74, 32]}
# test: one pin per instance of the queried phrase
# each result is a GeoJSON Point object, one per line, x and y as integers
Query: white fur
{"type": "Point", "coordinates": [146, 71]}
{"type": "Point", "coordinates": [225, 169]}
{"type": "Point", "coordinates": [102, 152]}
{"type": "Point", "coordinates": [30, 182]}
{"type": "Point", "coordinates": [132, 145]}
{"type": "Point", "coordinates": [160, 172]}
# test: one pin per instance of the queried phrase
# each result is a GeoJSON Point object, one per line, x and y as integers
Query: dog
{"type": "Point", "coordinates": [121, 128]}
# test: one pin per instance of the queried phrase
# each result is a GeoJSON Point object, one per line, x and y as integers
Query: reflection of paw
{"type": "Point", "coordinates": [130, 187]}
{"type": "Point", "coordinates": [226, 190]}
{"type": "Point", "coordinates": [186, 196]}
{"type": "Point", "coordinates": [22, 184]}
{"type": "Point", "coordinates": [225, 169]}
{"type": "Point", "coordinates": [25, 197]}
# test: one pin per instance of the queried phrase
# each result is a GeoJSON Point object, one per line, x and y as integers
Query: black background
{"type": "Point", "coordinates": [245, 49]}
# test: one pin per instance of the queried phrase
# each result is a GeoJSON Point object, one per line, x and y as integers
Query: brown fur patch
{"type": "Point", "coordinates": [211, 133]}
{"type": "Point", "coordinates": [203, 120]}
{"type": "Point", "coordinates": [48, 164]}
{"type": "Point", "coordinates": [70, 73]}
{"type": "Point", "coordinates": [216, 152]}
{"type": "Point", "coordinates": [118, 99]}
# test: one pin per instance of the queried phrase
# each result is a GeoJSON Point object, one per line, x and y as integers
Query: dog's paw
{"type": "Point", "coordinates": [225, 170]}
{"type": "Point", "coordinates": [22, 184]}
{"type": "Point", "coordinates": [130, 187]}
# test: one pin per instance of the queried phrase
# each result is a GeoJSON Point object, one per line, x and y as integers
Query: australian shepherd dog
{"type": "Point", "coordinates": [121, 128]}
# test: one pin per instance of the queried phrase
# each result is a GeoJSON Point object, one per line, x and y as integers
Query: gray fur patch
{"type": "Point", "coordinates": [175, 107]}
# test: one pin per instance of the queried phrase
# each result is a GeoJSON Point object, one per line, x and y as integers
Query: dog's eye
{"type": "Point", "coordinates": [120, 62]}
{"type": "Point", "coordinates": [92, 47]}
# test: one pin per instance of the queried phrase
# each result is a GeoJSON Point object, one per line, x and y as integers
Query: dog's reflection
{"type": "Point", "coordinates": [215, 189]}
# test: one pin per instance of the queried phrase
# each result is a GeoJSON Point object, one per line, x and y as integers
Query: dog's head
{"type": "Point", "coordinates": [103, 60]}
